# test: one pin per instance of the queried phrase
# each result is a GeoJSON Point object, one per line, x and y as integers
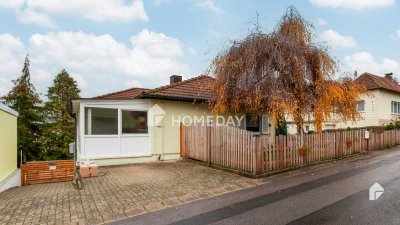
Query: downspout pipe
{"type": "Point", "coordinates": [73, 115]}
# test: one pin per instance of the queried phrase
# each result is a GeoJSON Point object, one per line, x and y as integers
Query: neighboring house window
{"type": "Point", "coordinates": [395, 107]}
{"type": "Point", "coordinates": [134, 122]}
{"type": "Point", "coordinates": [101, 121]}
{"type": "Point", "coordinates": [361, 106]}
{"type": "Point", "coordinates": [307, 128]}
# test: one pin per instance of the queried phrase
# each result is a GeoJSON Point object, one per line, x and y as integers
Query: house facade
{"type": "Point", "coordinates": [380, 105]}
{"type": "Point", "coordinates": [9, 173]}
{"type": "Point", "coordinates": [141, 125]}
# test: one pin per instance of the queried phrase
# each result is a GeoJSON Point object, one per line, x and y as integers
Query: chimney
{"type": "Point", "coordinates": [175, 79]}
{"type": "Point", "coordinates": [389, 76]}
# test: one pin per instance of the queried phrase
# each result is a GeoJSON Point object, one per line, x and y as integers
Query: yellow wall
{"type": "Point", "coordinates": [8, 144]}
{"type": "Point", "coordinates": [377, 109]}
{"type": "Point", "coordinates": [165, 135]}
{"type": "Point", "coordinates": [384, 105]}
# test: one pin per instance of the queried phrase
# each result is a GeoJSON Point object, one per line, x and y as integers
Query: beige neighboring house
{"type": "Point", "coordinates": [9, 173]}
{"type": "Point", "coordinates": [381, 105]}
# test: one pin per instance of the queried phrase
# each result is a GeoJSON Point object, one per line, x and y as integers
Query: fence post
{"type": "Point", "coordinates": [256, 155]}
{"type": "Point", "coordinates": [208, 143]}
{"type": "Point", "coordinates": [254, 148]}
{"type": "Point", "coordinates": [22, 169]}
{"type": "Point", "coordinates": [182, 140]}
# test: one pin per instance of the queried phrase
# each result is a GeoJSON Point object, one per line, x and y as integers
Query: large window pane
{"type": "Point", "coordinates": [134, 122]}
{"type": "Point", "coordinates": [101, 121]}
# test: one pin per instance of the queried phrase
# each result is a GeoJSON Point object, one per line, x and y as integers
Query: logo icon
{"type": "Point", "coordinates": [158, 115]}
{"type": "Point", "coordinates": [375, 191]}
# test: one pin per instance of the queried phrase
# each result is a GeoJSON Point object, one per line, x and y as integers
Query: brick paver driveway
{"type": "Point", "coordinates": [119, 191]}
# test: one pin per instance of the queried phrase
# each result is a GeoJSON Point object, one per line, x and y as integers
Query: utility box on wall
{"type": "Point", "coordinates": [71, 148]}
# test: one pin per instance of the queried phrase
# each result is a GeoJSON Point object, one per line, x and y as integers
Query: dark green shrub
{"type": "Point", "coordinates": [390, 126]}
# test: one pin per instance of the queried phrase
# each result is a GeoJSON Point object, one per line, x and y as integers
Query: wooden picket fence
{"type": "Point", "coordinates": [241, 150]}
{"type": "Point", "coordinates": [47, 172]}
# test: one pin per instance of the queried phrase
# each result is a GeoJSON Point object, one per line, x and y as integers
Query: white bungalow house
{"type": "Point", "coordinates": [139, 125]}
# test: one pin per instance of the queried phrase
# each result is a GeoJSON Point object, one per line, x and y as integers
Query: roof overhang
{"type": "Point", "coordinates": [75, 103]}
{"type": "Point", "coordinates": [8, 110]}
{"type": "Point", "coordinates": [172, 98]}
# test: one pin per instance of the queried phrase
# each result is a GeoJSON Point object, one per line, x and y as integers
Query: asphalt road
{"type": "Point", "coordinates": [333, 195]}
{"type": "Point", "coordinates": [357, 209]}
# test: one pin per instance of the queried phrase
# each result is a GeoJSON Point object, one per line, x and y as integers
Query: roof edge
{"type": "Point", "coordinates": [121, 91]}
{"type": "Point", "coordinates": [177, 84]}
{"type": "Point", "coordinates": [8, 110]}
{"type": "Point", "coordinates": [172, 98]}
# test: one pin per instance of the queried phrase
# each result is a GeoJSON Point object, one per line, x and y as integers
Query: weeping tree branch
{"type": "Point", "coordinates": [283, 73]}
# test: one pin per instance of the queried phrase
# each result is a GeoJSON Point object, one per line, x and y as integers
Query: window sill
{"type": "Point", "coordinates": [101, 135]}
{"type": "Point", "coordinates": [135, 135]}
{"type": "Point", "coordinates": [116, 136]}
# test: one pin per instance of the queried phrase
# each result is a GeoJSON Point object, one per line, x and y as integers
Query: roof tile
{"type": "Point", "coordinates": [124, 94]}
{"type": "Point", "coordinates": [371, 82]}
{"type": "Point", "coordinates": [199, 88]}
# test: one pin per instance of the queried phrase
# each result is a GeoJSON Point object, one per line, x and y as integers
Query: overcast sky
{"type": "Point", "coordinates": [110, 45]}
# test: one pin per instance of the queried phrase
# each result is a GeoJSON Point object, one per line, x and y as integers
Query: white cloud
{"type": "Point", "coordinates": [14, 4]}
{"type": "Point", "coordinates": [40, 11]}
{"type": "Point", "coordinates": [353, 4]}
{"type": "Point", "coordinates": [159, 2]}
{"type": "Point", "coordinates": [32, 16]}
{"type": "Point", "coordinates": [82, 82]}
{"type": "Point", "coordinates": [365, 62]}
{"type": "Point", "coordinates": [134, 83]}
{"type": "Point", "coordinates": [321, 22]}
{"type": "Point", "coordinates": [98, 10]}
{"type": "Point", "coordinates": [12, 53]}
{"type": "Point", "coordinates": [334, 39]}
{"type": "Point", "coordinates": [157, 43]}
{"type": "Point", "coordinates": [98, 62]}
{"type": "Point", "coordinates": [209, 5]}
{"type": "Point", "coordinates": [398, 33]}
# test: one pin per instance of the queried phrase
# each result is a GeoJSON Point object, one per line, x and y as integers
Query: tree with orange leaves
{"type": "Point", "coordinates": [284, 73]}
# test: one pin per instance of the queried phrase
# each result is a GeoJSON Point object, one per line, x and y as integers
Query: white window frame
{"type": "Point", "coordinates": [358, 106]}
{"type": "Point", "coordinates": [99, 135]}
{"type": "Point", "coordinates": [395, 108]}
{"type": "Point", "coordinates": [119, 134]}
{"type": "Point", "coordinates": [265, 119]}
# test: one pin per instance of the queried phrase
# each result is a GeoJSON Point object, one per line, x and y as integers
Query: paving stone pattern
{"type": "Point", "coordinates": [119, 192]}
